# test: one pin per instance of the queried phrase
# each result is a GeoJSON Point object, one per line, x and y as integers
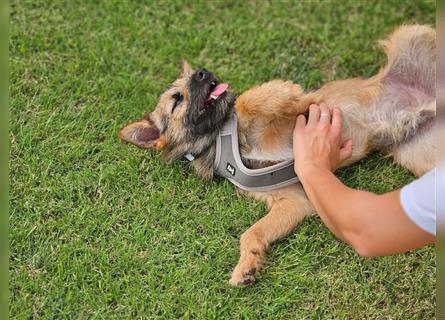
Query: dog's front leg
{"type": "Point", "coordinates": [288, 207]}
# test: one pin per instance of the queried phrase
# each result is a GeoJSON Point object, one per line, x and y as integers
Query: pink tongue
{"type": "Point", "coordinates": [219, 89]}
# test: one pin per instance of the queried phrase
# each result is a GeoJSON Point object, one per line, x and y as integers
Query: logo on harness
{"type": "Point", "coordinates": [231, 169]}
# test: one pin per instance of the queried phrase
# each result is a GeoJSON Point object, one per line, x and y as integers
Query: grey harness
{"type": "Point", "coordinates": [228, 164]}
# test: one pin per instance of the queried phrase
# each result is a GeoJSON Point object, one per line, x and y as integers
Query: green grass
{"type": "Point", "coordinates": [100, 229]}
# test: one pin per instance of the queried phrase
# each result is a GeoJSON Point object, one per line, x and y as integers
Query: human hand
{"type": "Point", "coordinates": [317, 143]}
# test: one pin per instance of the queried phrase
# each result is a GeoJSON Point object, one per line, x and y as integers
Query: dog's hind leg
{"type": "Point", "coordinates": [288, 206]}
{"type": "Point", "coordinates": [417, 155]}
{"type": "Point", "coordinates": [411, 52]}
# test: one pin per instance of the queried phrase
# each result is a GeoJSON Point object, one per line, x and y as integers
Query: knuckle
{"type": "Point", "coordinates": [324, 127]}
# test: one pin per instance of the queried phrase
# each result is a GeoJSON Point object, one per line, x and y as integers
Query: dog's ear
{"type": "Point", "coordinates": [185, 69]}
{"type": "Point", "coordinates": [143, 134]}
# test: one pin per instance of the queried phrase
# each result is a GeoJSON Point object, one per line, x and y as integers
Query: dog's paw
{"type": "Point", "coordinates": [245, 272]}
{"type": "Point", "coordinates": [242, 278]}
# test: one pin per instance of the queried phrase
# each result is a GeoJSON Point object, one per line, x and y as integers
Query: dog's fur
{"type": "Point", "coordinates": [392, 112]}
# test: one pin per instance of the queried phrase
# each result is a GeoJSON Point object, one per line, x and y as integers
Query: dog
{"type": "Point", "coordinates": [392, 112]}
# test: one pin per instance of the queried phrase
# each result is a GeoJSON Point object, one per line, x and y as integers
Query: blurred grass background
{"type": "Point", "coordinates": [99, 229]}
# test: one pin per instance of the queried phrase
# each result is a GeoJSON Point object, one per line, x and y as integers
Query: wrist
{"type": "Point", "coordinates": [308, 171]}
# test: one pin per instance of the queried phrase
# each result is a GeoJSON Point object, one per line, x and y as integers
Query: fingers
{"type": "Point", "coordinates": [301, 122]}
{"type": "Point", "coordinates": [325, 114]}
{"type": "Point", "coordinates": [337, 120]}
{"type": "Point", "coordinates": [322, 114]}
{"type": "Point", "coordinates": [346, 150]}
{"type": "Point", "coordinates": [314, 115]}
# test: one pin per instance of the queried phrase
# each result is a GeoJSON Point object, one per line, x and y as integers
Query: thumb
{"type": "Point", "coordinates": [346, 150]}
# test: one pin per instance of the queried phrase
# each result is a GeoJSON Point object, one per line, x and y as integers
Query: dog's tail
{"type": "Point", "coordinates": [411, 51]}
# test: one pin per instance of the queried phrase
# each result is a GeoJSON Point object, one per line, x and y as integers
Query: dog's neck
{"type": "Point", "coordinates": [203, 163]}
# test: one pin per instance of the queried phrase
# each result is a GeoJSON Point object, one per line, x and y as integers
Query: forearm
{"type": "Point", "coordinates": [373, 225]}
{"type": "Point", "coordinates": [341, 208]}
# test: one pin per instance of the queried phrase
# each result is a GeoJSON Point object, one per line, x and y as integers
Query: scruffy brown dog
{"type": "Point", "coordinates": [392, 112]}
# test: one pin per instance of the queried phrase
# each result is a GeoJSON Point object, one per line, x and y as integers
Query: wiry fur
{"type": "Point", "coordinates": [392, 112]}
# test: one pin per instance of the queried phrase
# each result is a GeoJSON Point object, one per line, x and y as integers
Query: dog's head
{"type": "Point", "coordinates": [187, 118]}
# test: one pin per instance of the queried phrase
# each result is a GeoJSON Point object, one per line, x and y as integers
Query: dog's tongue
{"type": "Point", "coordinates": [219, 90]}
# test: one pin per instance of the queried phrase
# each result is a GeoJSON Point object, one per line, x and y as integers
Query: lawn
{"type": "Point", "coordinates": [100, 229]}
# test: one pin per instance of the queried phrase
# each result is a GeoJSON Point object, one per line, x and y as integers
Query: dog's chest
{"type": "Point", "coordinates": [255, 154]}
{"type": "Point", "coordinates": [265, 139]}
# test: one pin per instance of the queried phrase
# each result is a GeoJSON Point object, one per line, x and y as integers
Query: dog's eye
{"type": "Point", "coordinates": [177, 98]}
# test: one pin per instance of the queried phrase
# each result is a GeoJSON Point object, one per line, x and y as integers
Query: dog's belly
{"type": "Point", "coordinates": [398, 95]}
{"type": "Point", "coordinates": [267, 141]}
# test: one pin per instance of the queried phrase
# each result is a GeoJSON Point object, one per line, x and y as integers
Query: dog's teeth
{"type": "Point", "coordinates": [213, 97]}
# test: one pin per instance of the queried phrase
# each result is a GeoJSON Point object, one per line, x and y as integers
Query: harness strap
{"type": "Point", "coordinates": [228, 164]}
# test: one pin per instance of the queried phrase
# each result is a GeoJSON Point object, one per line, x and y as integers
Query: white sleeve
{"type": "Point", "coordinates": [418, 200]}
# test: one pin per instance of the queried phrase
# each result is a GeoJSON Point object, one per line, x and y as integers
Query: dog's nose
{"type": "Point", "coordinates": [202, 74]}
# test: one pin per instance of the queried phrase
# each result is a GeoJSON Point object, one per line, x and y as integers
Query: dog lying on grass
{"type": "Point", "coordinates": [392, 112]}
